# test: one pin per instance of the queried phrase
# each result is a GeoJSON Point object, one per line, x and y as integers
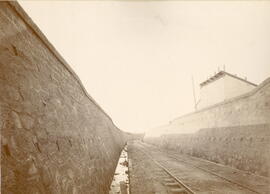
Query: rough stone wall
{"type": "Point", "coordinates": [54, 137]}
{"type": "Point", "coordinates": [238, 147]}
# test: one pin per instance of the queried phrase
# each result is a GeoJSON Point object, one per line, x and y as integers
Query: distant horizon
{"type": "Point", "coordinates": [136, 59]}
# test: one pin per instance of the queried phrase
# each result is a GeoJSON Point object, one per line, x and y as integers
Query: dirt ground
{"type": "Point", "coordinates": [142, 174]}
{"type": "Point", "coordinates": [147, 177]}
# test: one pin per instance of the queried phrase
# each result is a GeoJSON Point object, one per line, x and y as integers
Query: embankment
{"type": "Point", "coordinates": [235, 132]}
{"type": "Point", "coordinates": [54, 136]}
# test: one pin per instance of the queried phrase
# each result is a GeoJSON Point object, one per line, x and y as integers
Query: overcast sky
{"type": "Point", "coordinates": [136, 59]}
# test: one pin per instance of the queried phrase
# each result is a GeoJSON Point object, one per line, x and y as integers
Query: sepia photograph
{"type": "Point", "coordinates": [135, 97]}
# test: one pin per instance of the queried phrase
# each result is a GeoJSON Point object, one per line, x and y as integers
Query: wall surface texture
{"type": "Point", "coordinates": [54, 137]}
{"type": "Point", "coordinates": [237, 147]}
{"type": "Point", "coordinates": [234, 133]}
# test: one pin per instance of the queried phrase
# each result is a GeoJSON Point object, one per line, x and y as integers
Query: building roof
{"type": "Point", "coordinates": [221, 74]}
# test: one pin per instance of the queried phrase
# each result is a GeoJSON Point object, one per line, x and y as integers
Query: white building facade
{"type": "Point", "coordinates": [222, 86]}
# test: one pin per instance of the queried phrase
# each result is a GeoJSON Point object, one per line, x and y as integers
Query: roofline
{"type": "Point", "coordinates": [246, 95]}
{"type": "Point", "coordinates": [221, 74]}
{"type": "Point", "coordinates": [240, 79]}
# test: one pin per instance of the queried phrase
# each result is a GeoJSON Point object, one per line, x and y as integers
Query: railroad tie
{"type": "Point", "coordinates": [162, 176]}
{"type": "Point", "coordinates": [178, 191]}
{"type": "Point", "coordinates": [172, 184]}
{"type": "Point", "coordinates": [160, 173]}
{"type": "Point", "coordinates": [169, 180]}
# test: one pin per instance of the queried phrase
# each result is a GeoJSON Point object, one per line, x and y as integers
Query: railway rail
{"type": "Point", "coordinates": [177, 186]}
{"type": "Point", "coordinates": [215, 174]}
{"type": "Point", "coordinates": [180, 182]}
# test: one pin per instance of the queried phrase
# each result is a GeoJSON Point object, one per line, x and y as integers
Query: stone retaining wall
{"type": "Point", "coordinates": [238, 147]}
{"type": "Point", "coordinates": [54, 136]}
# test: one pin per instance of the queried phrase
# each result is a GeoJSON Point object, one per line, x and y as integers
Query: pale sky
{"type": "Point", "coordinates": [136, 59]}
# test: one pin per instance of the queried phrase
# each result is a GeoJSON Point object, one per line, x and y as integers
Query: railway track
{"type": "Point", "coordinates": [173, 184]}
{"type": "Point", "coordinates": [181, 182]}
{"type": "Point", "coordinates": [215, 174]}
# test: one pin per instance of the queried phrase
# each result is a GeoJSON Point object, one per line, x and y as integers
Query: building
{"type": "Point", "coordinates": [222, 86]}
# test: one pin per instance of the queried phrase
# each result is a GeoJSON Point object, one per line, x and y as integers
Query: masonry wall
{"type": "Point", "coordinates": [234, 133]}
{"type": "Point", "coordinates": [54, 136]}
{"type": "Point", "coordinates": [237, 147]}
